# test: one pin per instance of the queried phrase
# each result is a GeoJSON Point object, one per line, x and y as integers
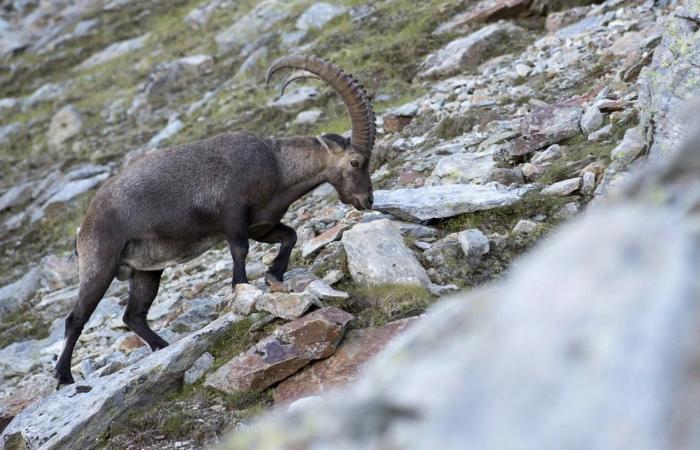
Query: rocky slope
{"type": "Point", "coordinates": [499, 120]}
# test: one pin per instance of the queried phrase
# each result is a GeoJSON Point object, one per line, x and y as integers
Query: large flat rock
{"type": "Point", "coordinates": [74, 416]}
{"type": "Point", "coordinates": [437, 202]}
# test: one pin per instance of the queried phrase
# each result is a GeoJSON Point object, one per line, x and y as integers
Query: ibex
{"type": "Point", "coordinates": [169, 206]}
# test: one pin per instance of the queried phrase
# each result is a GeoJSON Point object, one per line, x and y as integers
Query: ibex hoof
{"type": "Point", "coordinates": [275, 284]}
{"type": "Point", "coordinates": [64, 381]}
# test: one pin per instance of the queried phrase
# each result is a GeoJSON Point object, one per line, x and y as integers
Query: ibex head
{"type": "Point", "coordinates": [348, 161]}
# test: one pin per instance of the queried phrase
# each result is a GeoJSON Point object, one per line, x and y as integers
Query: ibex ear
{"type": "Point", "coordinates": [339, 140]}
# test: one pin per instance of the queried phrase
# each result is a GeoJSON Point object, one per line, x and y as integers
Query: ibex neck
{"type": "Point", "coordinates": [302, 163]}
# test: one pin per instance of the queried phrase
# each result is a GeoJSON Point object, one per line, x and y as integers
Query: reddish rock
{"type": "Point", "coordinates": [357, 348]}
{"type": "Point", "coordinates": [546, 125]}
{"type": "Point", "coordinates": [411, 178]}
{"type": "Point", "coordinates": [130, 343]}
{"type": "Point", "coordinates": [332, 234]}
{"type": "Point", "coordinates": [288, 349]}
{"type": "Point", "coordinates": [393, 123]}
{"type": "Point", "coordinates": [485, 11]}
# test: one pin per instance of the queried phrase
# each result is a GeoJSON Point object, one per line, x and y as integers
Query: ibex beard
{"type": "Point", "coordinates": [172, 205]}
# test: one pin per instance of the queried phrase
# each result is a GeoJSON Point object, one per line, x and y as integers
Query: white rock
{"type": "Point", "coordinates": [588, 183]}
{"type": "Point", "coordinates": [563, 188]}
{"type": "Point", "coordinates": [630, 147]}
{"type": "Point", "coordinates": [434, 202]}
{"type": "Point", "coordinates": [324, 291]}
{"type": "Point", "coordinates": [377, 254]}
{"type": "Point", "coordinates": [16, 195]}
{"type": "Point", "coordinates": [286, 306]}
{"type": "Point", "coordinates": [295, 99]}
{"type": "Point", "coordinates": [333, 276]}
{"type": "Point", "coordinates": [245, 296]}
{"type": "Point", "coordinates": [473, 242]}
{"type": "Point", "coordinates": [549, 154]}
{"type": "Point", "coordinates": [525, 227]}
{"type": "Point", "coordinates": [171, 129]}
{"type": "Point", "coordinates": [463, 168]}
{"type": "Point", "coordinates": [115, 51]}
{"type": "Point", "coordinates": [308, 117]}
{"type": "Point", "coordinates": [601, 134]}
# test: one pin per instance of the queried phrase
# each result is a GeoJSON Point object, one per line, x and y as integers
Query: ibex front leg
{"type": "Point", "coordinates": [280, 234]}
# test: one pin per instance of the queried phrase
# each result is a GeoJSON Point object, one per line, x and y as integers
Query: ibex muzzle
{"type": "Point", "coordinates": [171, 205]}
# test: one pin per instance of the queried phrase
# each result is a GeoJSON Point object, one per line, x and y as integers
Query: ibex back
{"type": "Point", "coordinates": [169, 206]}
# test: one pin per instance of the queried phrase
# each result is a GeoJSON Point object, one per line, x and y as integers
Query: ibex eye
{"type": "Point", "coordinates": [355, 164]}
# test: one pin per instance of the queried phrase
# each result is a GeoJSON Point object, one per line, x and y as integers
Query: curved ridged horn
{"type": "Point", "coordinates": [295, 76]}
{"type": "Point", "coordinates": [351, 91]}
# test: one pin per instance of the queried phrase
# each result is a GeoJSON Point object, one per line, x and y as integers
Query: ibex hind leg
{"type": "Point", "coordinates": [97, 270]}
{"type": "Point", "coordinates": [143, 288]}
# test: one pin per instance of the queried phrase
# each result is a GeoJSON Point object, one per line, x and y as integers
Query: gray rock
{"type": "Point", "coordinates": [334, 233]}
{"type": "Point", "coordinates": [507, 176]}
{"type": "Point", "coordinates": [199, 368]}
{"type": "Point", "coordinates": [563, 188]}
{"type": "Point", "coordinates": [631, 146]}
{"type": "Point", "coordinates": [199, 313]}
{"type": "Point", "coordinates": [321, 289]}
{"type": "Point", "coordinates": [587, 183]}
{"type": "Point", "coordinates": [551, 153]}
{"type": "Point", "coordinates": [45, 93]}
{"type": "Point", "coordinates": [663, 87]}
{"type": "Point", "coordinates": [546, 125]}
{"type": "Point", "coordinates": [435, 202]}
{"type": "Point", "coordinates": [264, 17]}
{"type": "Point", "coordinates": [286, 306]}
{"type": "Point", "coordinates": [7, 131]}
{"type": "Point", "coordinates": [318, 15]}
{"type": "Point", "coordinates": [114, 51]}
{"type": "Point", "coordinates": [591, 120]}
{"type": "Point", "coordinates": [601, 134]}
{"type": "Point", "coordinates": [245, 297]}
{"type": "Point", "coordinates": [65, 124]}
{"type": "Point", "coordinates": [16, 196]}
{"type": "Point", "coordinates": [469, 51]}
{"type": "Point", "coordinates": [567, 211]}
{"type": "Point", "coordinates": [73, 189]}
{"type": "Point", "coordinates": [199, 17]}
{"type": "Point", "coordinates": [333, 276]}
{"type": "Point", "coordinates": [473, 242]}
{"type": "Point", "coordinates": [101, 400]}
{"type": "Point", "coordinates": [175, 74]}
{"type": "Point", "coordinates": [377, 254]}
{"type": "Point", "coordinates": [525, 227]}
{"type": "Point", "coordinates": [463, 168]}
{"type": "Point", "coordinates": [16, 295]}
{"type": "Point", "coordinates": [532, 171]}
{"type": "Point", "coordinates": [253, 63]}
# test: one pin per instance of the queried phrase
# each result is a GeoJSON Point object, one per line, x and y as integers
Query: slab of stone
{"type": "Point", "coordinates": [287, 306]}
{"type": "Point", "coordinates": [563, 188]}
{"type": "Point", "coordinates": [546, 125]}
{"type": "Point", "coordinates": [115, 51]}
{"type": "Point", "coordinates": [318, 15]}
{"type": "Point", "coordinates": [485, 11]}
{"type": "Point", "coordinates": [462, 168]}
{"type": "Point", "coordinates": [631, 146]}
{"type": "Point", "coordinates": [355, 350]}
{"type": "Point", "coordinates": [101, 400]}
{"type": "Point", "coordinates": [312, 246]}
{"type": "Point", "coordinates": [291, 347]}
{"type": "Point", "coordinates": [199, 368]}
{"type": "Point", "coordinates": [245, 296]}
{"type": "Point", "coordinates": [469, 51]}
{"type": "Point", "coordinates": [436, 202]}
{"type": "Point", "coordinates": [321, 289]}
{"type": "Point", "coordinates": [17, 195]}
{"type": "Point", "coordinates": [377, 254]}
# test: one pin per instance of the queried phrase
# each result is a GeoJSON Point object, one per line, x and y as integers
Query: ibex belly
{"type": "Point", "coordinates": [150, 255]}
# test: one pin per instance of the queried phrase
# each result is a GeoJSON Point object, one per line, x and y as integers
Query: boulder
{"type": "Point", "coordinates": [469, 51]}
{"type": "Point", "coordinates": [546, 125]}
{"type": "Point", "coordinates": [245, 296]}
{"type": "Point", "coordinates": [473, 242]}
{"type": "Point", "coordinates": [485, 11]}
{"type": "Point", "coordinates": [377, 254]}
{"type": "Point", "coordinates": [463, 168]}
{"type": "Point", "coordinates": [591, 120]}
{"type": "Point", "coordinates": [101, 400]}
{"type": "Point", "coordinates": [563, 188]}
{"type": "Point", "coordinates": [263, 18]}
{"type": "Point", "coordinates": [437, 202]}
{"type": "Point", "coordinates": [283, 353]}
{"type": "Point", "coordinates": [15, 296]}
{"type": "Point", "coordinates": [344, 366]}
{"type": "Point", "coordinates": [631, 146]}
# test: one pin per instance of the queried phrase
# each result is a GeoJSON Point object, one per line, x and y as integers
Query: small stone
{"type": "Point", "coordinates": [199, 368]}
{"type": "Point", "coordinates": [310, 247]}
{"type": "Point", "coordinates": [591, 120]}
{"type": "Point", "coordinates": [394, 123]}
{"type": "Point", "coordinates": [549, 154]}
{"type": "Point", "coordinates": [65, 124]}
{"type": "Point", "coordinates": [522, 70]}
{"type": "Point", "coordinates": [333, 276]}
{"type": "Point", "coordinates": [129, 343]}
{"type": "Point", "coordinates": [245, 297]}
{"type": "Point", "coordinates": [309, 117]}
{"type": "Point", "coordinates": [563, 188]}
{"type": "Point", "coordinates": [288, 306]}
{"type": "Point", "coordinates": [532, 171]}
{"type": "Point", "coordinates": [324, 291]}
{"type": "Point", "coordinates": [525, 227]}
{"type": "Point", "coordinates": [567, 211]}
{"type": "Point", "coordinates": [473, 242]}
{"type": "Point", "coordinates": [588, 183]}
{"type": "Point", "coordinates": [601, 134]}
